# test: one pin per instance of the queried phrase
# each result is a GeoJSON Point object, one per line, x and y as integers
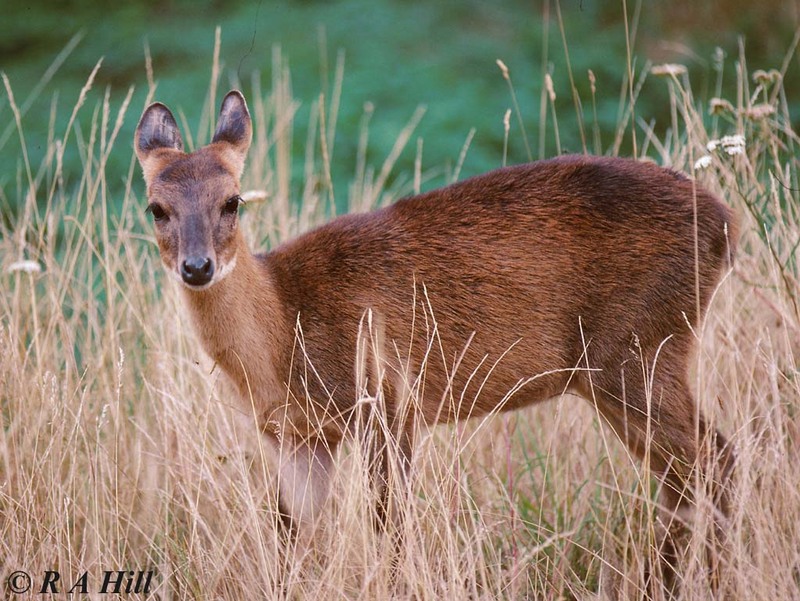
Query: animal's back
{"type": "Point", "coordinates": [511, 274]}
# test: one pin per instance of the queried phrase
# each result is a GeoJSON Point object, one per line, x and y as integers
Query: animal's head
{"type": "Point", "coordinates": [194, 198]}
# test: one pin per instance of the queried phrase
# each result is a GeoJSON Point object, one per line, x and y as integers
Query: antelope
{"type": "Point", "coordinates": [577, 274]}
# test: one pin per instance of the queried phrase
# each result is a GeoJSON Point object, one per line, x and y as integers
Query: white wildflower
{"type": "Point", "coordinates": [733, 144]}
{"type": "Point", "coordinates": [730, 144]}
{"type": "Point", "coordinates": [26, 266]}
{"type": "Point", "coordinates": [703, 162]}
{"type": "Point", "coordinates": [734, 140]}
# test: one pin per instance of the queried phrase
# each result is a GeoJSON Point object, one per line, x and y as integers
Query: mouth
{"type": "Point", "coordinates": [197, 287]}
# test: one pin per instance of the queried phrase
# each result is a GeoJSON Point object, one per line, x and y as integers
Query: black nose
{"type": "Point", "coordinates": [197, 271]}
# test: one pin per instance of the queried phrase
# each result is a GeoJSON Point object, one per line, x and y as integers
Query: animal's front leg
{"type": "Point", "coordinates": [304, 471]}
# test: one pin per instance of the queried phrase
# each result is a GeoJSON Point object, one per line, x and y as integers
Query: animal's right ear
{"type": "Point", "coordinates": [157, 130]}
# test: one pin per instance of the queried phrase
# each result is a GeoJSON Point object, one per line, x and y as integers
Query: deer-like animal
{"type": "Point", "coordinates": [578, 274]}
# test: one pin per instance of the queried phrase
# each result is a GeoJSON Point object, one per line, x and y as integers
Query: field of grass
{"type": "Point", "coordinates": [121, 447]}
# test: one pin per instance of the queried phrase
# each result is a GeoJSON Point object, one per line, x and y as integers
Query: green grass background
{"type": "Point", "coordinates": [398, 55]}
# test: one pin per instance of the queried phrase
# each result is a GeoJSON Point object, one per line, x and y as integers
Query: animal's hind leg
{"type": "Point", "coordinates": [664, 425]}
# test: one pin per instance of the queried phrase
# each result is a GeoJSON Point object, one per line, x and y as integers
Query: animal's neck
{"type": "Point", "coordinates": [241, 326]}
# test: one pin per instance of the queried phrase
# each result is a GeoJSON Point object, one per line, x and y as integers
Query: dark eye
{"type": "Point", "coordinates": [231, 205]}
{"type": "Point", "coordinates": [156, 211]}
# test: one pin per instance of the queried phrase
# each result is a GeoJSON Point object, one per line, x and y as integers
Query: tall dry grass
{"type": "Point", "coordinates": [122, 448]}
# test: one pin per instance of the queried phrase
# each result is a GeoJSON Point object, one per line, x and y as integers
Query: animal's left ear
{"type": "Point", "coordinates": [234, 129]}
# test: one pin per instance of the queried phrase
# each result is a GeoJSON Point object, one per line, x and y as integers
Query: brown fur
{"type": "Point", "coordinates": [532, 275]}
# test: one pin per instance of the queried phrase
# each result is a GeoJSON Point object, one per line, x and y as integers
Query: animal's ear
{"type": "Point", "coordinates": [157, 130]}
{"type": "Point", "coordinates": [234, 128]}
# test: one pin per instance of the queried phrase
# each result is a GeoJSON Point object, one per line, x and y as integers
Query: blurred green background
{"type": "Point", "coordinates": [398, 54]}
